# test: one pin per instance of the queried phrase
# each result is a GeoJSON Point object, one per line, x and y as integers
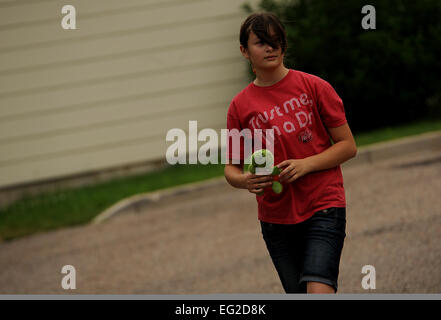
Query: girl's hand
{"type": "Point", "coordinates": [293, 169]}
{"type": "Point", "coordinates": [256, 183]}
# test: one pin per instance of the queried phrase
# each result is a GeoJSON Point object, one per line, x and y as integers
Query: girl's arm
{"type": "Point", "coordinates": [234, 175]}
{"type": "Point", "coordinates": [343, 149]}
{"type": "Point", "coordinates": [238, 179]}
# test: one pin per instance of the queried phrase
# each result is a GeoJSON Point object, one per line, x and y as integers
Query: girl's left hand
{"type": "Point", "coordinates": [294, 169]}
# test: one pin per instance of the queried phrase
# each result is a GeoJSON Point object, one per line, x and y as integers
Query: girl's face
{"type": "Point", "coordinates": [262, 55]}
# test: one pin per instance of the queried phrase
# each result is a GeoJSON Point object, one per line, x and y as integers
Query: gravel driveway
{"type": "Point", "coordinates": [210, 242]}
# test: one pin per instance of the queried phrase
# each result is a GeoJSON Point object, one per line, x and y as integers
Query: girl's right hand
{"type": "Point", "coordinates": [256, 183]}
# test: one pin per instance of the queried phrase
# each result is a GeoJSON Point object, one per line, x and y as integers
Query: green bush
{"type": "Point", "coordinates": [386, 76]}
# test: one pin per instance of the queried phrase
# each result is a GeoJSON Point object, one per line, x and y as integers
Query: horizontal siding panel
{"type": "Point", "coordinates": [160, 83]}
{"type": "Point", "coordinates": [47, 147]}
{"type": "Point", "coordinates": [120, 21]}
{"type": "Point", "coordinates": [76, 119]}
{"type": "Point", "coordinates": [49, 79]}
{"type": "Point", "coordinates": [105, 95]}
{"type": "Point", "coordinates": [92, 50]}
{"type": "Point", "coordinates": [88, 161]}
{"type": "Point", "coordinates": [25, 13]}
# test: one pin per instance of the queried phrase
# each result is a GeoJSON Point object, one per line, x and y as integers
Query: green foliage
{"type": "Point", "coordinates": [386, 76]}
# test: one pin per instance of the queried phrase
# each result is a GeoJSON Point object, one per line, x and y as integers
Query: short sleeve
{"type": "Point", "coordinates": [330, 105]}
{"type": "Point", "coordinates": [234, 142]}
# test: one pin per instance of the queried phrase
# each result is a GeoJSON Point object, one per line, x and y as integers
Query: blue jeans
{"type": "Point", "coordinates": [307, 251]}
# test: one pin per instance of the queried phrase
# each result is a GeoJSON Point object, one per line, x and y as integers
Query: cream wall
{"type": "Point", "coordinates": [105, 95]}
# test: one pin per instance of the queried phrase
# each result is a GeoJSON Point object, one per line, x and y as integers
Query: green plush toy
{"type": "Point", "coordinates": [259, 159]}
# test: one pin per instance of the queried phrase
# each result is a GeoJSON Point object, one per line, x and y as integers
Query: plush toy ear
{"type": "Point", "coordinates": [277, 187]}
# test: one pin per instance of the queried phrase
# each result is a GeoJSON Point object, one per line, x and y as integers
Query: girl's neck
{"type": "Point", "coordinates": [266, 78]}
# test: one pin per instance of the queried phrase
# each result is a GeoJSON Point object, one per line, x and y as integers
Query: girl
{"type": "Point", "coordinates": [304, 226]}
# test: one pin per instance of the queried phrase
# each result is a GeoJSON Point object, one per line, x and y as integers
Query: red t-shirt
{"type": "Point", "coordinates": [299, 108]}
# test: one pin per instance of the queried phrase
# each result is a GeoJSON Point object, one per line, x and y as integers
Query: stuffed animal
{"type": "Point", "coordinates": [259, 159]}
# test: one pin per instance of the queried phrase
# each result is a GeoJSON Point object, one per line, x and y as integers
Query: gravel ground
{"type": "Point", "coordinates": [210, 241]}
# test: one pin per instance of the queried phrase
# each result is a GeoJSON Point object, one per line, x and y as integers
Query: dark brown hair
{"type": "Point", "coordinates": [260, 24]}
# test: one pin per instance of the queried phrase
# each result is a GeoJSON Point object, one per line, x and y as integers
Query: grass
{"type": "Point", "coordinates": [79, 206]}
{"type": "Point", "coordinates": [395, 132]}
